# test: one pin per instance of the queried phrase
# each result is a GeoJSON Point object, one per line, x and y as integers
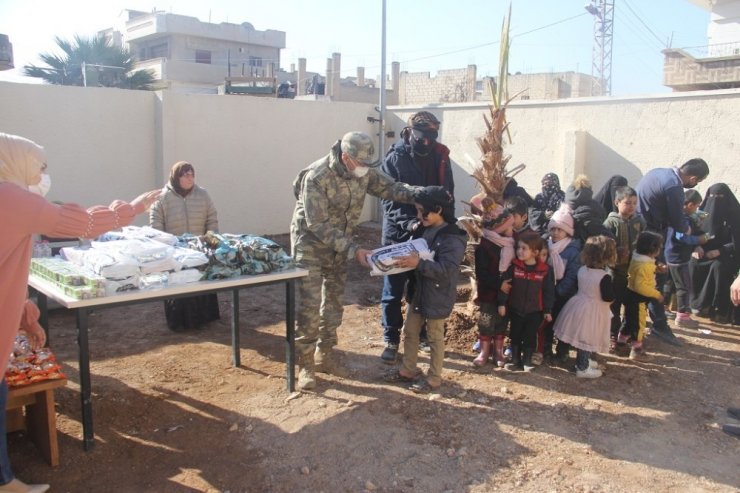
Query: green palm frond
{"type": "Point", "coordinates": [65, 66]}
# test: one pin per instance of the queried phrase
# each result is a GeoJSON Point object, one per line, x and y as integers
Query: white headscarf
{"type": "Point", "coordinates": [21, 160]}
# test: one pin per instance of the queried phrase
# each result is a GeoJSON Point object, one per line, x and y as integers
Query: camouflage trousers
{"type": "Point", "coordinates": [320, 301]}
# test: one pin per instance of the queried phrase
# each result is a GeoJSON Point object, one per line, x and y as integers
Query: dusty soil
{"type": "Point", "coordinates": [172, 415]}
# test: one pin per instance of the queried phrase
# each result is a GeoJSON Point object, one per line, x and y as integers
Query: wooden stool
{"type": "Point", "coordinates": [40, 420]}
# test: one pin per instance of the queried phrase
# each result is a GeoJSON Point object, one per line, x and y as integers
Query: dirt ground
{"type": "Point", "coordinates": [172, 415]}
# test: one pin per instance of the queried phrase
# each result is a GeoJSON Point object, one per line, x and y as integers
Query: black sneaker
{"type": "Point", "coordinates": [665, 334]}
{"type": "Point", "coordinates": [390, 353]}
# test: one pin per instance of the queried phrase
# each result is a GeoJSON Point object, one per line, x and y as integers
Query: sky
{"type": "Point", "coordinates": [423, 35]}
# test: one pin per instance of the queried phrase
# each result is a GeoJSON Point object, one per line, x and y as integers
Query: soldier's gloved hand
{"type": "Point", "coordinates": [361, 256]}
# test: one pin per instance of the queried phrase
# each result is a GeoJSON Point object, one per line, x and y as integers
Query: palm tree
{"type": "Point", "coordinates": [106, 65]}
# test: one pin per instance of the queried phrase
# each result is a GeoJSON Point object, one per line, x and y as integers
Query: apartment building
{"type": "Point", "coordinates": [188, 55]}
{"type": "Point", "coordinates": [714, 66]}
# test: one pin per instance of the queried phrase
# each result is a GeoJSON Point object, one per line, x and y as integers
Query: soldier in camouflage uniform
{"type": "Point", "coordinates": [330, 195]}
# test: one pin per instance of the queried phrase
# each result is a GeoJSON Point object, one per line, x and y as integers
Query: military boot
{"type": "Point", "coordinates": [306, 375]}
{"type": "Point", "coordinates": [327, 361]}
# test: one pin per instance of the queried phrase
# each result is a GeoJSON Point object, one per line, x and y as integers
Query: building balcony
{"type": "Point", "coordinates": [190, 72]}
{"type": "Point", "coordinates": [683, 72]}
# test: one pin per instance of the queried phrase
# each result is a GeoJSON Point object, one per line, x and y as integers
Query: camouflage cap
{"type": "Point", "coordinates": [360, 146]}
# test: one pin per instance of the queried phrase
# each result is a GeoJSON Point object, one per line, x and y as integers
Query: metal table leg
{"type": "Point", "coordinates": [235, 349]}
{"type": "Point", "coordinates": [290, 332]}
{"type": "Point", "coordinates": [88, 435]}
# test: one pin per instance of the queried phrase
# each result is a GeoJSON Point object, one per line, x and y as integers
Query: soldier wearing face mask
{"type": "Point", "coordinates": [330, 195]}
{"type": "Point", "coordinates": [417, 159]}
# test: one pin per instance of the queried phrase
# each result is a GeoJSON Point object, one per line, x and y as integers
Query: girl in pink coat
{"type": "Point", "coordinates": [22, 214]}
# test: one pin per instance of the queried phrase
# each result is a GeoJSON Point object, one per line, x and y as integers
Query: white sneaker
{"type": "Point", "coordinates": [593, 364]}
{"type": "Point", "coordinates": [589, 372]}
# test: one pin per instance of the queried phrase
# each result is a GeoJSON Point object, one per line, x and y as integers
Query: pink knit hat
{"type": "Point", "coordinates": [562, 219]}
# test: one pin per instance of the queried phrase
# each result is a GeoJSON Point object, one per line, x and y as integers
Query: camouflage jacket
{"type": "Point", "coordinates": [329, 203]}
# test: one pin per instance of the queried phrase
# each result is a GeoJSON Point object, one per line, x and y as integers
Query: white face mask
{"type": "Point", "coordinates": [360, 171]}
{"type": "Point", "coordinates": [42, 188]}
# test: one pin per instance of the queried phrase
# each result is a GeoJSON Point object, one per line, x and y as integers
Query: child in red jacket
{"type": "Point", "coordinates": [529, 300]}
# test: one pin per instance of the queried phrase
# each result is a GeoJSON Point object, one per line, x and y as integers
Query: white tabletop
{"type": "Point", "coordinates": [58, 295]}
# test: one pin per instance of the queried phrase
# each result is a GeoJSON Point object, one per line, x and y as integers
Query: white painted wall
{"type": "Point", "coordinates": [724, 29]}
{"type": "Point", "coordinates": [598, 136]}
{"type": "Point", "coordinates": [100, 142]}
{"type": "Point", "coordinates": [247, 151]}
{"type": "Point", "coordinates": [109, 143]}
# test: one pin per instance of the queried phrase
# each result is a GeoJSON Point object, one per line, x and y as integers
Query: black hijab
{"type": "Point", "coordinates": [605, 196]}
{"type": "Point", "coordinates": [723, 212]}
{"type": "Point", "coordinates": [551, 196]}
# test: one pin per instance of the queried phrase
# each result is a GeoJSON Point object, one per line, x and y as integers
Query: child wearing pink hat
{"type": "Point", "coordinates": [565, 260]}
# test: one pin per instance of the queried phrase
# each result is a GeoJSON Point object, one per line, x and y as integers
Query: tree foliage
{"type": "Point", "coordinates": [107, 65]}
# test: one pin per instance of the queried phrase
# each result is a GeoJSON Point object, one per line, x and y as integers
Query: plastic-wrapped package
{"type": "Point", "coordinates": [139, 232]}
{"type": "Point", "coordinates": [27, 365]}
{"type": "Point", "coordinates": [382, 260]}
{"type": "Point", "coordinates": [132, 257]}
{"type": "Point", "coordinates": [142, 250]}
{"type": "Point", "coordinates": [185, 276]}
{"type": "Point", "coordinates": [234, 255]}
{"type": "Point", "coordinates": [157, 280]}
{"type": "Point", "coordinates": [109, 264]}
{"type": "Point", "coordinates": [189, 258]}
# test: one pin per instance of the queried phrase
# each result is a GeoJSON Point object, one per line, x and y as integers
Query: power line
{"type": "Point", "coordinates": [637, 16]}
{"type": "Point", "coordinates": [475, 47]}
{"type": "Point", "coordinates": [549, 25]}
{"type": "Point", "coordinates": [638, 32]}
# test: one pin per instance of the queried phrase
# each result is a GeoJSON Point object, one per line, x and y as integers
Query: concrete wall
{"type": "Point", "coordinates": [100, 142]}
{"type": "Point", "coordinates": [597, 136]}
{"type": "Point", "coordinates": [247, 151]}
{"type": "Point", "coordinates": [108, 143]}
{"type": "Point", "coordinates": [104, 144]}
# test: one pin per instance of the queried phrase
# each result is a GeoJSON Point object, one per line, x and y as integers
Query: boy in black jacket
{"type": "Point", "coordinates": [528, 301]}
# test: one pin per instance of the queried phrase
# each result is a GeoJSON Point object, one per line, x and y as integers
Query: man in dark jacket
{"type": "Point", "coordinates": [417, 159]}
{"type": "Point", "coordinates": [660, 195]}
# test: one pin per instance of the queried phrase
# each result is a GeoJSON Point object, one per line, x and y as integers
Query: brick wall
{"type": "Point", "coordinates": [448, 86]}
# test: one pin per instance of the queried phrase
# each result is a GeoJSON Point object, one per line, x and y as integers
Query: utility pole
{"type": "Point", "coordinates": [381, 103]}
{"type": "Point", "coordinates": [601, 56]}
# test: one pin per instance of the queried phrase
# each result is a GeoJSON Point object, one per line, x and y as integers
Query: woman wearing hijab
{"type": "Point", "coordinates": [186, 208]}
{"type": "Point", "coordinates": [605, 196]}
{"type": "Point", "coordinates": [23, 214]}
{"type": "Point", "coordinates": [546, 203]}
{"type": "Point", "coordinates": [713, 270]}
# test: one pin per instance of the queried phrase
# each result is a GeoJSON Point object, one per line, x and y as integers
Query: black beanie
{"type": "Point", "coordinates": [433, 197]}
